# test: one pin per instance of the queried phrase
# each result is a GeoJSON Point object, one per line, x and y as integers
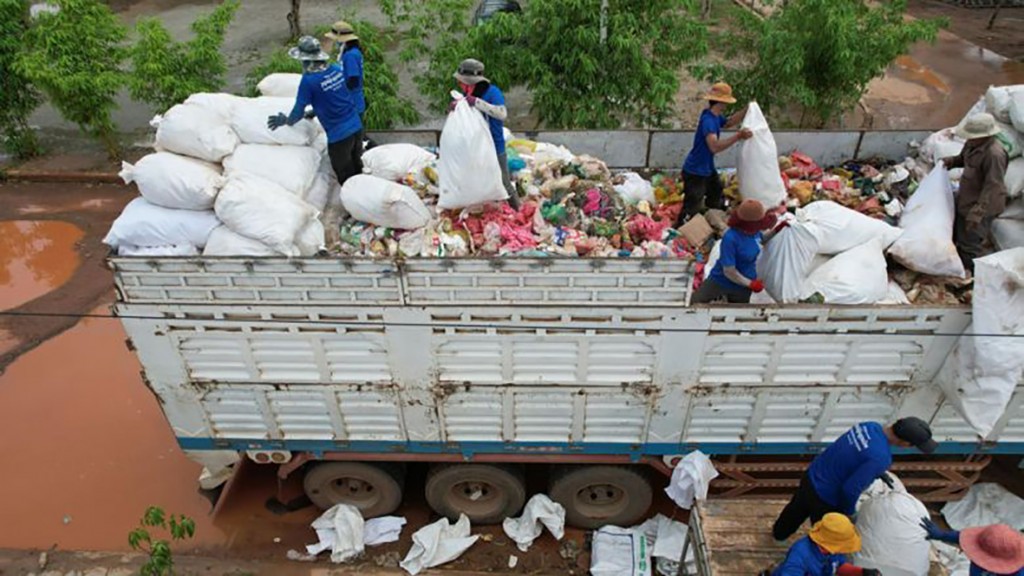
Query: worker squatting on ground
{"type": "Point", "coordinates": [982, 195]}
{"type": "Point", "coordinates": [350, 58]}
{"type": "Point", "coordinates": [996, 550]}
{"type": "Point", "coordinates": [835, 479]}
{"type": "Point", "coordinates": [323, 87]}
{"type": "Point", "coordinates": [484, 96]}
{"type": "Point", "coordinates": [734, 276]}
{"type": "Point", "coordinates": [823, 551]}
{"type": "Point", "coordinates": [700, 179]}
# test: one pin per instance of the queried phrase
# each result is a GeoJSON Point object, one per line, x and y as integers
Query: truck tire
{"type": "Point", "coordinates": [487, 494]}
{"type": "Point", "coordinates": [375, 489]}
{"type": "Point", "coordinates": [595, 496]}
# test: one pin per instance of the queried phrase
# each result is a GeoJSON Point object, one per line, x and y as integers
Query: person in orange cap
{"type": "Point", "coordinates": [823, 551]}
{"type": "Point", "coordinates": [995, 550]}
{"type": "Point", "coordinates": [734, 276]}
{"type": "Point", "coordinates": [701, 184]}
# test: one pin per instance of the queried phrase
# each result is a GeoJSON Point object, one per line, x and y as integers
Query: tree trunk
{"type": "Point", "coordinates": [705, 9]}
{"type": "Point", "coordinates": [294, 26]}
{"type": "Point", "coordinates": [995, 13]}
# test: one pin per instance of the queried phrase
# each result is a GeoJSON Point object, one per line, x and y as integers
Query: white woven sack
{"type": "Point", "coordinates": [194, 131]}
{"type": "Point", "coordinates": [174, 181]}
{"type": "Point", "coordinates": [262, 210]}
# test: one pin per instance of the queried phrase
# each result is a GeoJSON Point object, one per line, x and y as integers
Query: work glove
{"type": "Point", "coordinates": [756, 286]}
{"type": "Point", "coordinates": [471, 100]}
{"type": "Point", "coordinates": [276, 121]}
{"type": "Point", "coordinates": [309, 114]}
{"type": "Point", "coordinates": [932, 529]}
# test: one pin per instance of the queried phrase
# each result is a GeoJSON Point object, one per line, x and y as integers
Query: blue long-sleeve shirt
{"type": "Point", "coordinates": [850, 464]}
{"type": "Point", "coordinates": [351, 61]}
{"type": "Point", "coordinates": [953, 537]}
{"type": "Point", "coordinates": [805, 558]}
{"type": "Point", "coordinates": [332, 103]}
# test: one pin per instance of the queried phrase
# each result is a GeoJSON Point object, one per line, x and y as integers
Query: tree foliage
{"type": "Point", "coordinates": [166, 72]}
{"type": "Point", "coordinates": [817, 54]}
{"type": "Point", "coordinates": [160, 561]}
{"type": "Point", "coordinates": [18, 97]}
{"type": "Point", "coordinates": [74, 56]}
{"type": "Point", "coordinates": [555, 48]}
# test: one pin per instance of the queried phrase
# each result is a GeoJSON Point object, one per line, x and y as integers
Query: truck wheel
{"type": "Point", "coordinates": [375, 490]}
{"type": "Point", "coordinates": [486, 494]}
{"type": "Point", "coordinates": [595, 496]}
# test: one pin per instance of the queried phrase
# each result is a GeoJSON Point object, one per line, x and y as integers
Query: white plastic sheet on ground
{"type": "Point", "coordinates": [382, 530]}
{"type": "Point", "coordinates": [383, 203]}
{"type": "Point", "coordinates": [174, 181]}
{"type": "Point", "coordinates": [144, 224]}
{"type": "Point", "coordinates": [438, 543]}
{"type": "Point", "coordinates": [195, 131]}
{"type": "Point", "coordinates": [280, 84]}
{"type": "Point", "coordinates": [892, 540]}
{"type": "Point", "coordinates": [690, 479]}
{"type": "Point", "coordinates": [857, 276]}
{"type": "Point", "coordinates": [666, 538]}
{"type": "Point", "coordinates": [394, 161]}
{"type": "Point", "coordinates": [758, 164]}
{"type": "Point", "coordinates": [262, 210]}
{"type": "Point", "coordinates": [294, 168]}
{"type": "Point", "coordinates": [986, 503]}
{"type": "Point", "coordinates": [635, 189]}
{"type": "Point", "coordinates": [926, 244]}
{"type": "Point", "coordinates": [224, 242]}
{"type": "Point", "coordinates": [619, 551]}
{"type": "Point", "coordinates": [540, 512]}
{"type": "Point", "coordinates": [468, 170]}
{"type": "Point", "coordinates": [982, 372]}
{"type": "Point", "coordinates": [249, 121]}
{"type": "Point", "coordinates": [340, 530]}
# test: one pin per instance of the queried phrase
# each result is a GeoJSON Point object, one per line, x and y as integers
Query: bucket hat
{"type": "Point", "coordinates": [342, 31]}
{"type": "Point", "coordinates": [996, 548]}
{"type": "Point", "coordinates": [917, 432]}
{"type": "Point", "coordinates": [980, 125]}
{"type": "Point", "coordinates": [720, 92]}
{"type": "Point", "coordinates": [308, 50]}
{"type": "Point", "coordinates": [470, 72]}
{"type": "Point", "coordinates": [835, 533]}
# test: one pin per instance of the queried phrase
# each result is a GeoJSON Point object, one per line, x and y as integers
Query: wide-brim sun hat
{"type": "Point", "coordinates": [720, 92]}
{"type": "Point", "coordinates": [470, 72]}
{"type": "Point", "coordinates": [308, 50]}
{"type": "Point", "coordinates": [342, 31]}
{"type": "Point", "coordinates": [750, 210]}
{"type": "Point", "coordinates": [997, 548]}
{"type": "Point", "coordinates": [981, 125]}
{"type": "Point", "coordinates": [835, 533]}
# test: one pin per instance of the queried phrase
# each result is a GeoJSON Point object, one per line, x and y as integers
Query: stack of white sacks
{"type": "Point", "coordinates": [1006, 104]}
{"type": "Point", "coordinates": [221, 183]}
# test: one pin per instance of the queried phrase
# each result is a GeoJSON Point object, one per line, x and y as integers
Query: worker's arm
{"type": "Point", "coordinates": [993, 188]}
{"type": "Point", "coordinates": [936, 533]}
{"type": "Point", "coordinates": [737, 117]}
{"type": "Point", "coordinates": [954, 161]}
{"type": "Point", "coordinates": [496, 111]}
{"type": "Point", "coordinates": [733, 274]}
{"type": "Point", "coordinates": [718, 145]}
{"type": "Point", "coordinates": [857, 482]}
{"type": "Point", "coordinates": [353, 69]}
{"type": "Point", "coordinates": [302, 99]}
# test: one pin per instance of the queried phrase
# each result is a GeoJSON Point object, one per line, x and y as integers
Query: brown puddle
{"type": "Point", "coordinates": [35, 257]}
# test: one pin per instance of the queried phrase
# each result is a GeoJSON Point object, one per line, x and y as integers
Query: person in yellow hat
{"type": "Point", "coordinates": [823, 551]}
{"type": "Point", "coordinates": [700, 178]}
{"type": "Point", "coordinates": [350, 58]}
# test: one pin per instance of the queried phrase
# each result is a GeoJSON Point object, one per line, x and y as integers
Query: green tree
{"type": "Point", "coordinates": [819, 55]}
{"type": "Point", "coordinates": [18, 97]}
{"type": "Point", "coordinates": [589, 64]}
{"type": "Point", "coordinates": [74, 56]}
{"type": "Point", "coordinates": [160, 561]}
{"type": "Point", "coordinates": [165, 72]}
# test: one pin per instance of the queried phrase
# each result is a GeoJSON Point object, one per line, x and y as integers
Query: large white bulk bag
{"type": "Point", "coordinates": [838, 228]}
{"type": "Point", "coordinates": [383, 203]}
{"type": "Point", "coordinates": [468, 170]}
{"type": "Point", "coordinates": [174, 181]}
{"type": "Point", "coordinates": [926, 244]}
{"type": "Point", "coordinates": [290, 167]}
{"type": "Point", "coordinates": [1008, 228]}
{"type": "Point", "coordinates": [311, 239]}
{"type": "Point", "coordinates": [280, 84]}
{"type": "Point", "coordinates": [223, 105]}
{"type": "Point", "coordinates": [758, 166]}
{"type": "Point", "coordinates": [249, 120]}
{"type": "Point", "coordinates": [892, 539]}
{"type": "Point", "coordinates": [857, 276]}
{"type": "Point", "coordinates": [224, 242]}
{"type": "Point", "coordinates": [157, 251]}
{"type": "Point", "coordinates": [144, 224]}
{"type": "Point", "coordinates": [1015, 178]}
{"type": "Point", "coordinates": [1012, 141]}
{"type": "Point", "coordinates": [998, 100]}
{"type": "Point", "coordinates": [194, 131]}
{"type": "Point", "coordinates": [262, 210]}
{"type": "Point", "coordinates": [785, 262]}
{"type": "Point", "coordinates": [941, 144]}
{"type": "Point", "coordinates": [1017, 110]}
{"type": "Point", "coordinates": [319, 191]}
{"type": "Point", "coordinates": [394, 161]}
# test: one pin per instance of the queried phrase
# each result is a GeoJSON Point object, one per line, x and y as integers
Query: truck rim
{"type": "Point", "coordinates": [598, 500]}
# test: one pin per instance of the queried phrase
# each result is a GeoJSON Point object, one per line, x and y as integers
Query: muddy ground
{"type": "Point", "coordinates": [1006, 37]}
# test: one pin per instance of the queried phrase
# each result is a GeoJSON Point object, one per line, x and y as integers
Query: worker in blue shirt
{"type": "Point", "coordinates": [701, 184]}
{"type": "Point", "coordinates": [323, 87]}
{"type": "Point", "coordinates": [835, 479]}
{"type": "Point", "coordinates": [823, 551]}
{"type": "Point", "coordinates": [484, 96]}
{"type": "Point", "coordinates": [350, 58]}
{"type": "Point", "coordinates": [734, 276]}
{"type": "Point", "coordinates": [996, 550]}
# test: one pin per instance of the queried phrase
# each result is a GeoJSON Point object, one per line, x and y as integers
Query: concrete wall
{"type": "Point", "coordinates": [666, 149]}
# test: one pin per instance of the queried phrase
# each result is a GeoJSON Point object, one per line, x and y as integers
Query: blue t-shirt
{"type": "Point", "coordinates": [701, 161]}
{"type": "Point", "coordinates": [740, 251]}
{"type": "Point", "coordinates": [850, 464]}
{"type": "Point", "coordinates": [805, 558]}
{"type": "Point", "coordinates": [332, 102]}
{"type": "Point", "coordinates": [979, 571]}
{"type": "Point", "coordinates": [494, 96]}
{"type": "Point", "coordinates": [352, 67]}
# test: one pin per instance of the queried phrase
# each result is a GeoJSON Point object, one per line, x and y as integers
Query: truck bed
{"type": "Point", "coordinates": [734, 537]}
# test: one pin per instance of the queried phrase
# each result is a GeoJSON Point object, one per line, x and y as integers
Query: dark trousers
{"type": "Point", "coordinates": [346, 157]}
{"type": "Point", "coordinates": [804, 505]}
{"type": "Point", "coordinates": [971, 244]}
{"type": "Point", "coordinates": [711, 291]}
{"type": "Point", "coordinates": [698, 190]}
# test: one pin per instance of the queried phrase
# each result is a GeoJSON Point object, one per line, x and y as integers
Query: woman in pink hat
{"type": "Point", "coordinates": [995, 550]}
{"type": "Point", "coordinates": [734, 276]}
